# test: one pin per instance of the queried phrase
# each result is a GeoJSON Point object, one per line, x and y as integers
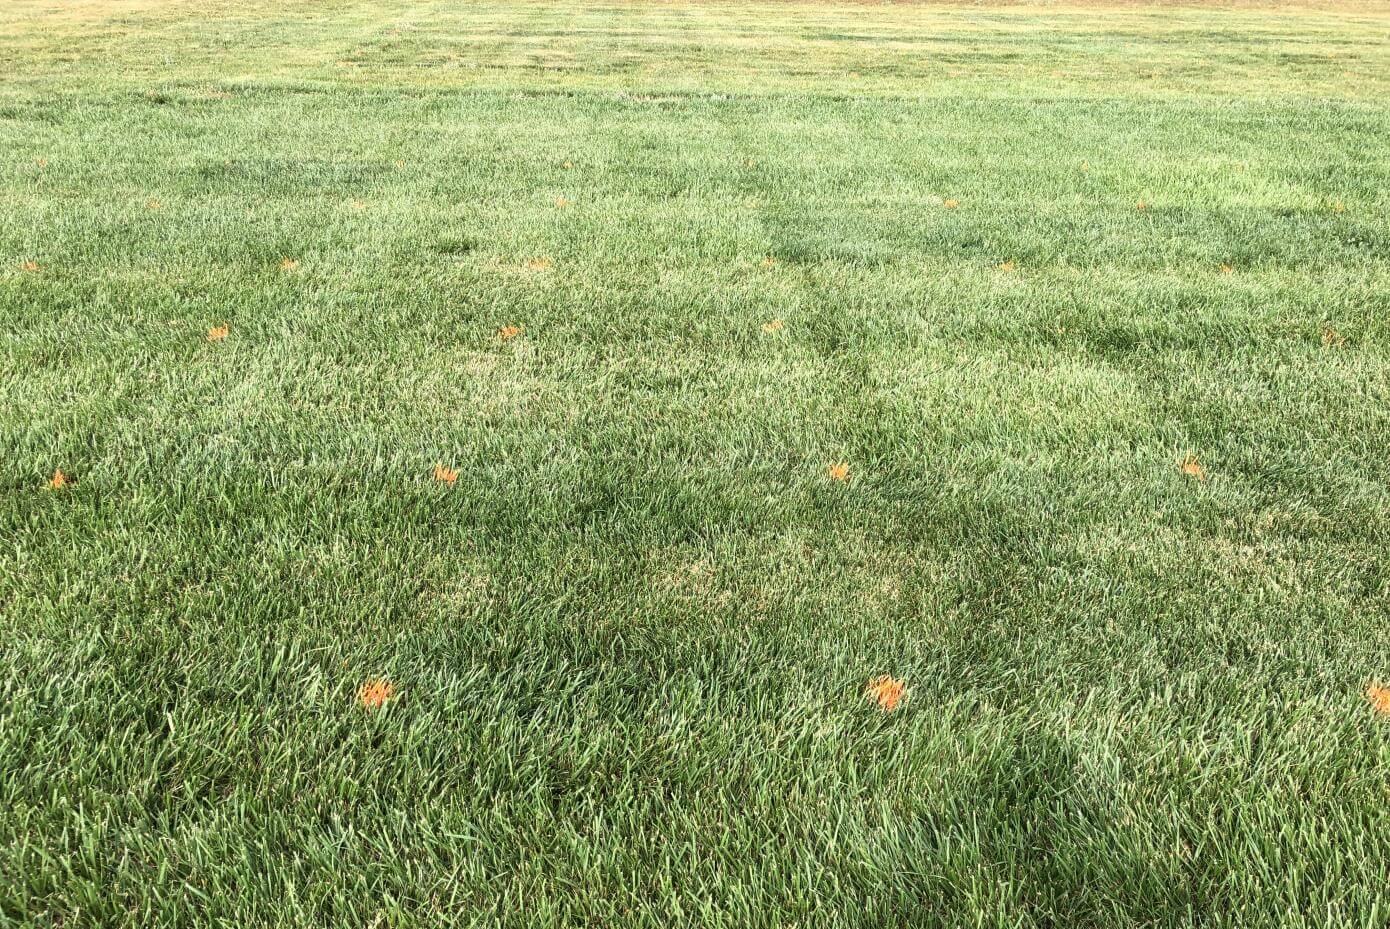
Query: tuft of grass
{"type": "Point", "coordinates": [848, 370]}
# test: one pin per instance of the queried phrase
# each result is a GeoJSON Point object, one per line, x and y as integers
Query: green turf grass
{"type": "Point", "coordinates": [631, 641]}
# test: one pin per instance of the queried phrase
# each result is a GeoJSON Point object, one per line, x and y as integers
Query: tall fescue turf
{"type": "Point", "coordinates": [629, 643]}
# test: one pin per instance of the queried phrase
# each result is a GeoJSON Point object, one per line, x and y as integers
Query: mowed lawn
{"type": "Point", "coordinates": [1088, 305]}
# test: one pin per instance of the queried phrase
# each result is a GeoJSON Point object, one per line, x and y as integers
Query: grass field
{"type": "Point", "coordinates": [1092, 303]}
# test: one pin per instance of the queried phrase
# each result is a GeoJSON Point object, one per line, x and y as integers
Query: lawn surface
{"type": "Point", "coordinates": [1013, 265]}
